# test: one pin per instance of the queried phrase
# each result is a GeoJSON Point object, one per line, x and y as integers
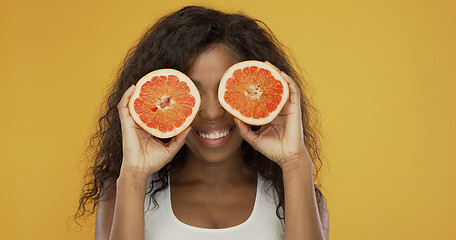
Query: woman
{"type": "Point", "coordinates": [249, 184]}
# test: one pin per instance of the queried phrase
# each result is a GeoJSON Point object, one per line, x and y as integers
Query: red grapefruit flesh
{"type": "Point", "coordinates": [253, 91]}
{"type": "Point", "coordinates": [164, 102]}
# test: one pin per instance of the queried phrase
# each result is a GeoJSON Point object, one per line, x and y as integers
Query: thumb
{"type": "Point", "coordinates": [246, 133]}
{"type": "Point", "coordinates": [178, 141]}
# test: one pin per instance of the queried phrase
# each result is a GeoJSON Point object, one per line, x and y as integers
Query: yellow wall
{"type": "Point", "coordinates": [383, 76]}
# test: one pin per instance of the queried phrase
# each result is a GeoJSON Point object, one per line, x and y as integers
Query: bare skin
{"type": "Point", "coordinates": [219, 188]}
{"type": "Point", "coordinates": [211, 171]}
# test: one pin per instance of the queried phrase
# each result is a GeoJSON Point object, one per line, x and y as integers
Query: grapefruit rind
{"type": "Point", "coordinates": [165, 72]}
{"type": "Point", "coordinates": [251, 120]}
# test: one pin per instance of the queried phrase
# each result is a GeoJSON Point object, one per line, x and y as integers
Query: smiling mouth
{"type": "Point", "coordinates": [213, 135]}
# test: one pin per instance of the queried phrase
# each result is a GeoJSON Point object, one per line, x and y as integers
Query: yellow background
{"type": "Point", "coordinates": [382, 73]}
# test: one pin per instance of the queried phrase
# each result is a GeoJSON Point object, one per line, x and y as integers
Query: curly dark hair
{"type": "Point", "coordinates": [170, 43]}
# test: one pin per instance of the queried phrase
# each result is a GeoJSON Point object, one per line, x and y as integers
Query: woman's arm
{"type": "Point", "coordinates": [105, 210]}
{"type": "Point", "coordinates": [120, 213]}
{"type": "Point", "coordinates": [128, 215]}
{"type": "Point", "coordinates": [282, 141]}
{"type": "Point", "coordinates": [303, 219]}
{"type": "Point", "coordinates": [324, 217]}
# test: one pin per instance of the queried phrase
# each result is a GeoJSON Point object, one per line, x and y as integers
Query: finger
{"type": "Point", "coordinates": [246, 133]}
{"type": "Point", "coordinates": [178, 141]}
{"type": "Point", "coordinates": [293, 106]}
{"type": "Point", "coordinates": [295, 93]}
{"type": "Point", "coordinates": [122, 107]}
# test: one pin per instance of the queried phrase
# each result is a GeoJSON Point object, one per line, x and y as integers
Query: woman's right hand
{"type": "Point", "coordinates": [143, 154]}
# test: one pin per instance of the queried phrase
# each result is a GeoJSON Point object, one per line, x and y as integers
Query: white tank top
{"type": "Point", "coordinates": [263, 223]}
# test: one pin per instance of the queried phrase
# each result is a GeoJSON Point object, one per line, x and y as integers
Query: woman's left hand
{"type": "Point", "coordinates": [283, 138]}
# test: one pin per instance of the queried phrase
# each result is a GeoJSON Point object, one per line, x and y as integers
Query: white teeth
{"type": "Point", "coordinates": [214, 135]}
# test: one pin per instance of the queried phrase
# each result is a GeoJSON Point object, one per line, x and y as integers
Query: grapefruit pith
{"type": "Point", "coordinates": [164, 102]}
{"type": "Point", "coordinates": [253, 91]}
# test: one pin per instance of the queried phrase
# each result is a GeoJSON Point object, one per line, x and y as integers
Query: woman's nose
{"type": "Point", "coordinates": [210, 107]}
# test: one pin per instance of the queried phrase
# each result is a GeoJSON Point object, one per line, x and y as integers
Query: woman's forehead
{"type": "Point", "coordinates": [209, 66]}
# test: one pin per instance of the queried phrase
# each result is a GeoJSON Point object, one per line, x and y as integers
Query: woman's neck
{"type": "Point", "coordinates": [227, 171]}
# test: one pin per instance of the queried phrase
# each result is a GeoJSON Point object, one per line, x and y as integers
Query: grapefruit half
{"type": "Point", "coordinates": [164, 102]}
{"type": "Point", "coordinates": [253, 91]}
